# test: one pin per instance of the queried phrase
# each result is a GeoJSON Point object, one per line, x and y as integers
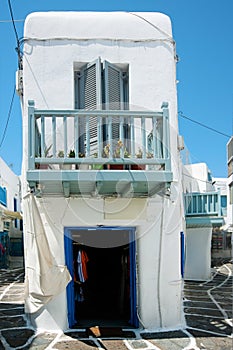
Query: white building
{"type": "Point", "coordinates": [10, 217]}
{"type": "Point", "coordinates": [206, 212]}
{"type": "Point", "coordinates": [95, 83]}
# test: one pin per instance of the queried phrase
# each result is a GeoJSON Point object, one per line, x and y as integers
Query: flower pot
{"type": "Point", "coordinates": [83, 166]}
{"type": "Point", "coordinates": [116, 166]}
{"type": "Point", "coordinates": [65, 166]}
{"type": "Point", "coordinates": [42, 166]}
{"type": "Point", "coordinates": [138, 167]}
{"type": "Point", "coordinates": [97, 167]}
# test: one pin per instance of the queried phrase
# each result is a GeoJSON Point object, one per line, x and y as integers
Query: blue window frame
{"type": "Point", "coordinates": [3, 197]}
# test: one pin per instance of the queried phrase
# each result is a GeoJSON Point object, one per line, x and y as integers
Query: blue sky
{"type": "Point", "coordinates": [203, 32]}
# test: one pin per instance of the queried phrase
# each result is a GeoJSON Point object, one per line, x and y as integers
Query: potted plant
{"type": "Point", "coordinates": [71, 154]}
{"type": "Point", "coordinates": [82, 166]}
{"type": "Point", "coordinates": [46, 155]}
{"type": "Point", "coordinates": [61, 155]}
{"type": "Point", "coordinates": [96, 166]}
{"type": "Point", "coordinates": [117, 153]}
{"type": "Point", "coordinates": [138, 166]}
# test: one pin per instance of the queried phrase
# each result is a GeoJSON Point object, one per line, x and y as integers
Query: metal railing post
{"type": "Point", "coordinates": [31, 135]}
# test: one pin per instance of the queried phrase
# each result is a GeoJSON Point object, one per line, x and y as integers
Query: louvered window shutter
{"type": "Point", "coordinates": [114, 94]}
{"type": "Point", "coordinates": [90, 98]}
{"type": "Point", "coordinates": [113, 87]}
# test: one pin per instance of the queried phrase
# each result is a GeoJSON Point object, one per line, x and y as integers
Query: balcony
{"type": "Point", "coordinates": [135, 142]}
{"type": "Point", "coordinates": [203, 208]}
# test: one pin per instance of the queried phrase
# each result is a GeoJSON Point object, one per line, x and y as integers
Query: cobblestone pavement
{"type": "Point", "coordinates": [207, 309]}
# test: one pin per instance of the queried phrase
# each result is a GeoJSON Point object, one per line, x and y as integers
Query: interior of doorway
{"type": "Point", "coordinates": [101, 278]}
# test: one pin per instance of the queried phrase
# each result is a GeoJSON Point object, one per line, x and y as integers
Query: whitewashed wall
{"type": "Point", "coordinates": [198, 255]}
{"type": "Point", "coordinates": [54, 43]}
{"type": "Point", "coordinates": [11, 181]}
{"type": "Point", "coordinates": [196, 178]}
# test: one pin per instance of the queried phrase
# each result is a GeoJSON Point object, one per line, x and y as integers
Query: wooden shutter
{"type": "Point", "coordinates": [90, 94]}
{"type": "Point", "coordinates": [114, 95]}
{"type": "Point", "coordinates": [113, 87]}
{"type": "Point", "coordinates": [90, 98]}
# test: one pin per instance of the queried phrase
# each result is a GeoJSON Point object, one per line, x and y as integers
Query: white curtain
{"type": "Point", "coordinates": [44, 278]}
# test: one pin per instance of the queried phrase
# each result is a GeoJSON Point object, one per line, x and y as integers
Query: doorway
{"type": "Point", "coordinates": [102, 263]}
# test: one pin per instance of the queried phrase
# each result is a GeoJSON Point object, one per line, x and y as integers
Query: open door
{"type": "Point", "coordinates": [111, 285]}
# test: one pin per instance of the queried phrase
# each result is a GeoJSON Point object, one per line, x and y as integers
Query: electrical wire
{"type": "Point", "coordinates": [203, 125]}
{"type": "Point", "coordinates": [195, 178]}
{"type": "Point", "coordinates": [153, 25]}
{"type": "Point", "coordinates": [13, 21]}
{"type": "Point", "coordinates": [16, 35]}
{"type": "Point", "coordinates": [10, 21]}
{"type": "Point", "coordinates": [8, 118]}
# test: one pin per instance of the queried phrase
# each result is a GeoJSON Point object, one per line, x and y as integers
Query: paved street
{"type": "Point", "coordinates": [207, 308]}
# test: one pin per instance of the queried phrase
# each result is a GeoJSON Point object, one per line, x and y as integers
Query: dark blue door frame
{"type": "Point", "coordinates": [182, 253]}
{"type": "Point", "coordinates": [69, 262]}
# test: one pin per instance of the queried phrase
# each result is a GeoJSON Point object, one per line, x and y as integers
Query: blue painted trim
{"type": "Point", "coordinates": [182, 253]}
{"type": "Point", "coordinates": [70, 287]}
{"type": "Point", "coordinates": [3, 197]}
{"type": "Point", "coordinates": [133, 286]}
{"type": "Point", "coordinates": [104, 175]}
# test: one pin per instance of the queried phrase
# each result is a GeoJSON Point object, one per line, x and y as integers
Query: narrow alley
{"type": "Point", "coordinates": [207, 309]}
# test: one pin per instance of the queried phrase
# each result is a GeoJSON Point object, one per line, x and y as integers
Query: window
{"type": "Point", "coordinates": [224, 205]}
{"type": "Point", "coordinates": [101, 86]}
{"type": "Point", "coordinates": [3, 196]}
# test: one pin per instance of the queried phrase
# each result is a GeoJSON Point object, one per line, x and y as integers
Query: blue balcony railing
{"type": "Point", "coordinates": [203, 204]}
{"type": "Point", "coordinates": [94, 136]}
{"type": "Point", "coordinates": [99, 140]}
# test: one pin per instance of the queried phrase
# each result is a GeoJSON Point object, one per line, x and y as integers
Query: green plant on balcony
{"type": "Point", "coordinates": [46, 155]}
{"type": "Point", "coordinates": [96, 166]}
{"type": "Point", "coordinates": [135, 166]}
{"type": "Point", "coordinates": [71, 154]}
{"type": "Point", "coordinates": [139, 153]}
{"type": "Point", "coordinates": [118, 151]}
{"type": "Point", "coordinates": [60, 154]}
{"type": "Point", "coordinates": [82, 166]}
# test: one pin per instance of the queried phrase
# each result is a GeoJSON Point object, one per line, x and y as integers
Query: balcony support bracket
{"type": "Point", "coordinates": [66, 188]}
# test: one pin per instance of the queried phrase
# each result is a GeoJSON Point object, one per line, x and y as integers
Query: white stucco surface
{"type": "Point", "coordinates": [198, 254]}
{"type": "Point", "coordinates": [98, 25]}
{"type": "Point", "coordinates": [55, 43]}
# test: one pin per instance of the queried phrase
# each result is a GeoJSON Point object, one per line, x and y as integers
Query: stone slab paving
{"type": "Point", "coordinates": [207, 310]}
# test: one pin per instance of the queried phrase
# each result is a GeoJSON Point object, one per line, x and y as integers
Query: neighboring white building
{"type": "Point", "coordinates": [128, 222]}
{"type": "Point", "coordinates": [205, 215]}
{"type": "Point", "coordinates": [10, 208]}
{"type": "Point", "coordinates": [197, 178]}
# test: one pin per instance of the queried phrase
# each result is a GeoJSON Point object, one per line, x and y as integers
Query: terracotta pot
{"type": "Point", "coordinates": [116, 166]}
{"type": "Point", "coordinates": [42, 166]}
{"type": "Point", "coordinates": [138, 167]}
